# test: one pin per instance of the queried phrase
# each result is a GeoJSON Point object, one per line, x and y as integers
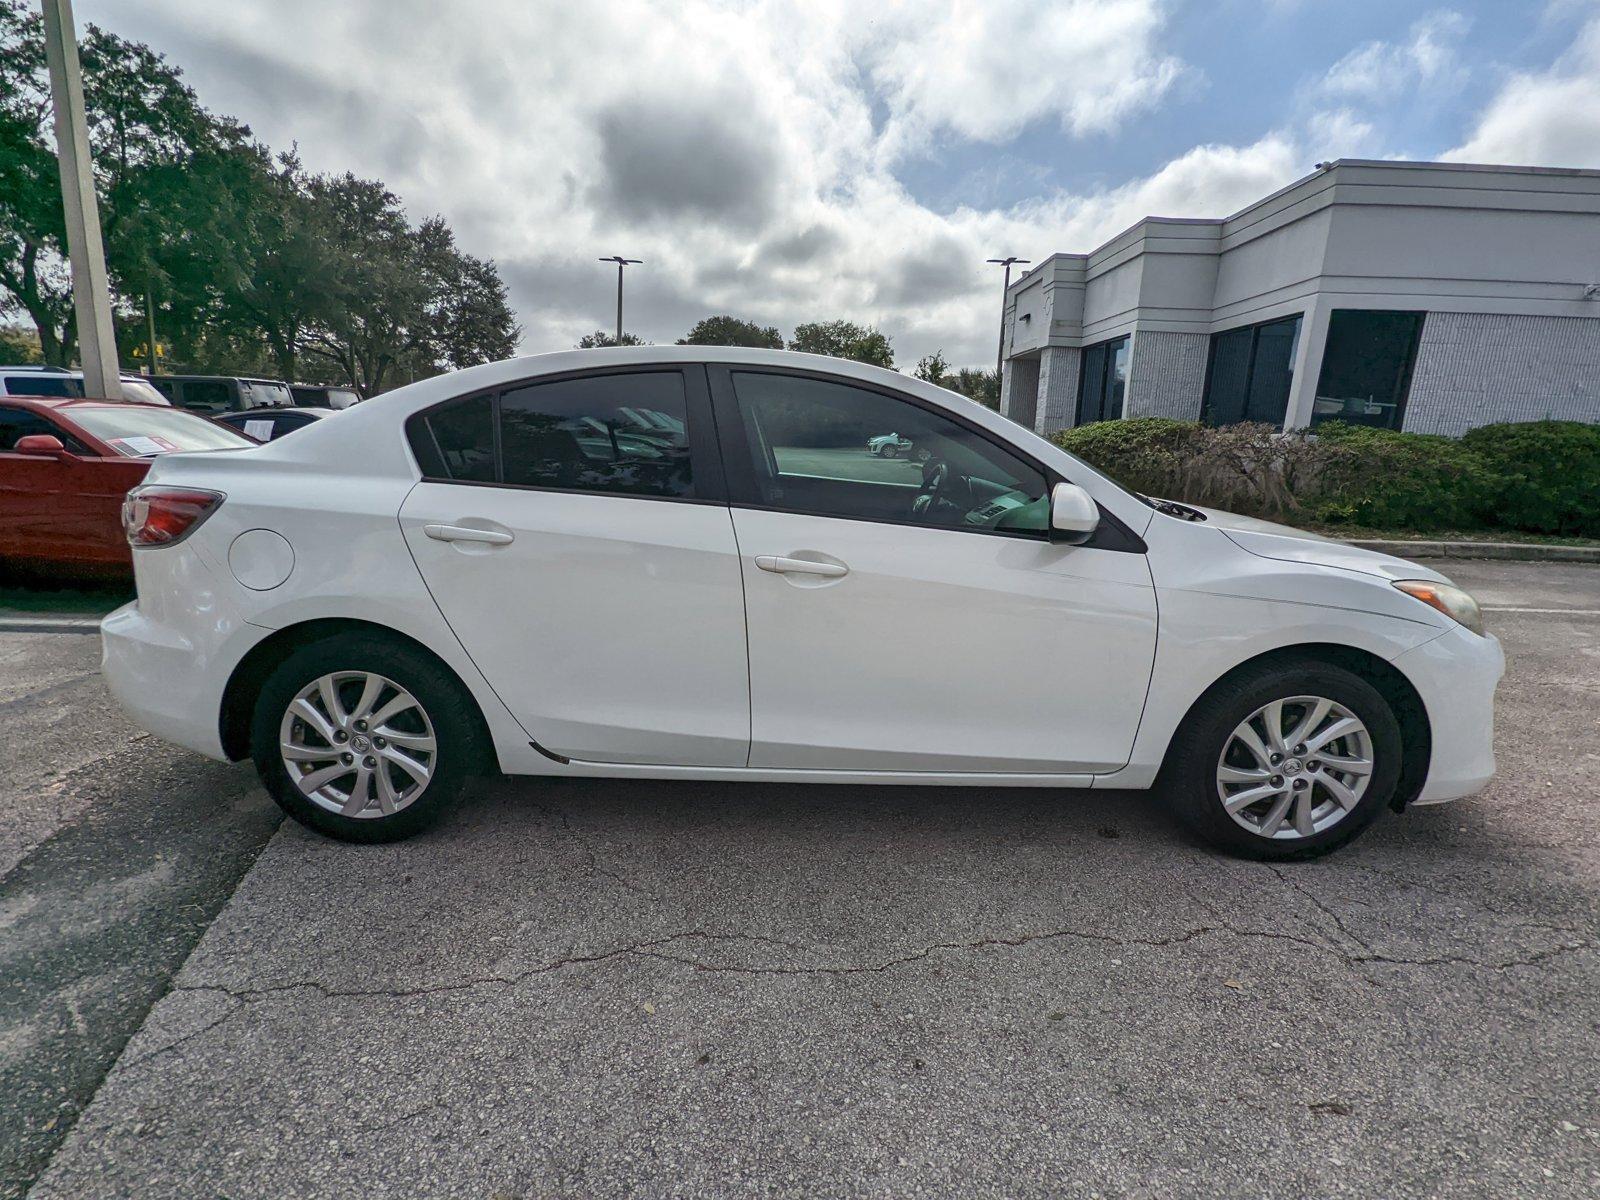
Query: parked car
{"type": "Point", "coordinates": [223, 393]}
{"type": "Point", "coordinates": [461, 577]}
{"type": "Point", "coordinates": [888, 445]}
{"type": "Point", "coordinates": [60, 383]}
{"type": "Point", "coordinates": [65, 468]}
{"type": "Point", "coordinates": [266, 424]}
{"type": "Point", "coordinates": [324, 395]}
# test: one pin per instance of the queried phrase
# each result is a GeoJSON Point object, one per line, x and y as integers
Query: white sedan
{"type": "Point", "coordinates": [500, 570]}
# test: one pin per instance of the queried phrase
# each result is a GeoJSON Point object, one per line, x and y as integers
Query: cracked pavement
{"type": "Point", "coordinates": [592, 988]}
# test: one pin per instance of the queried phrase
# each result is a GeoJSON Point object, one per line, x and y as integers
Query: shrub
{"type": "Point", "coordinates": [1542, 476]}
{"type": "Point", "coordinates": [1148, 454]}
{"type": "Point", "coordinates": [1549, 475]}
{"type": "Point", "coordinates": [1382, 479]}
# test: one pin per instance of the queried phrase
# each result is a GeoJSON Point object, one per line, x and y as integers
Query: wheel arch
{"type": "Point", "coordinates": [244, 684]}
{"type": "Point", "coordinates": [1392, 683]}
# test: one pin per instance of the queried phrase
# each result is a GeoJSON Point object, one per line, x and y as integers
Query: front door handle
{"type": "Point", "coordinates": [465, 533]}
{"type": "Point", "coordinates": [779, 565]}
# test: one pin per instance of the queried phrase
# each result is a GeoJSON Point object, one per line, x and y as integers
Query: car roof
{"type": "Point", "coordinates": [278, 410]}
{"type": "Point", "coordinates": [220, 379]}
{"type": "Point", "coordinates": [58, 403]}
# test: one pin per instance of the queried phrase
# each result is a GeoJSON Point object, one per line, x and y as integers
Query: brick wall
{"type": "Point", "coordinates": [1058, 389]}
{"type": "Point", "coordinates": [1477, 368]}
{"type": "Point", "coordinates": [1167, 375]}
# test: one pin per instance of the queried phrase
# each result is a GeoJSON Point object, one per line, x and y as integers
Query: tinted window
{"type": "Point", "coordinates": [259, 394]}
{"type": "Point", "coordinates": [1103, 382]}
{"type": "Point", "coordinates": [1251, 373]}
{"type": "Point", "coordinates": [837, 450]}
{"type": "Point", "coordinates": [1366, 367]}
{"type": "Point", "coordinates": [207, 395]}
{"type": "Point", "coordinates": [456, 441]}
{"type": "Point", "coordinates": [604, 433]}
{"type": "Point", "coordinates": [19, 423]}
{"type": "Point", "coordinates": [54, 386]}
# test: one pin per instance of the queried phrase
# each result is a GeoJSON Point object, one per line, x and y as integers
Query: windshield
{"type": "Point", "coordinates": [138, 389]}
{"type": "Point", "coordinates": [146, 432]}
{"type": "Point", "coordinates": [259, 393]}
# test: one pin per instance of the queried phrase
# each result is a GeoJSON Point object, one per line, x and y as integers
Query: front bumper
{"type": "Point", "coordinates": [1456, 676]}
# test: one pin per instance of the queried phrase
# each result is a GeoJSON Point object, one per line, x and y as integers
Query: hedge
{"type": "Point", "coordinates": [1537, 477]}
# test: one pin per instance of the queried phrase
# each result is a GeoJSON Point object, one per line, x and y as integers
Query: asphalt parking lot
{"type": "Point", "coordinates": [598, 989]}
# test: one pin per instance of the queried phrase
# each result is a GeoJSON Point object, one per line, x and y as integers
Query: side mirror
{"type": "Point", "coordinates": [41, 445]}
{"type": "Point", "coordinates": [1074, 516]}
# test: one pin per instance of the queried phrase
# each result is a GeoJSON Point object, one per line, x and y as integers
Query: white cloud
{"type": "Point", "coordinates": [1548, 118]}
{"type": "Point", "coordinates": [745, 151]}
{"type": "Point", "coordinates": [984, 70]}
{"type": "Point", "coordinates": [1428, 58]}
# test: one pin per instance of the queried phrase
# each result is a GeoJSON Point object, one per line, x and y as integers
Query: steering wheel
{"type": "Point", "coordinates": [935, 474]}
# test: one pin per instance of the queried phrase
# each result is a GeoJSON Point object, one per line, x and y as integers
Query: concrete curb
{"type": "Point", "coordinates": [13, 624]}
{"type": "Point", "coordinates": [1512, 551]}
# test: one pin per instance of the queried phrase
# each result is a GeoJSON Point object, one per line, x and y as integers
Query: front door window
{"type": "Point", "coordinates": [831, 449]}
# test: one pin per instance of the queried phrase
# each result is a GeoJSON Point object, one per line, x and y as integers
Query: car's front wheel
{"type": "Point", "coordinates": [1289, 760]}
{"type": "Point", "coordinates": [363, 739]}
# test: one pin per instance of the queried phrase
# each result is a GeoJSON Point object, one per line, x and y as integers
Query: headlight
{"type": "Point", "coordinates": [1448, 599]}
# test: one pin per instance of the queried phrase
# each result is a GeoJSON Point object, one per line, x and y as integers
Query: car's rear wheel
{"type": "Point", "coordinates": [1289, 760]}
{"type": "Point", "coordinates": [363, 739]}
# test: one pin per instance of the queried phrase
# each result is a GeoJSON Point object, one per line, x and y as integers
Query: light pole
{"type": "Point", "coordinates": [621, 263]}
{"type": "Point", "coordinates": [91, 294]}
{"type": "Point", "coordinates": [1000, 354]}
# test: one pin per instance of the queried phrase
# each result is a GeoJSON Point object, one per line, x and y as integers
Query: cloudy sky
{"type": "Point", "coordinates": [786, 161]}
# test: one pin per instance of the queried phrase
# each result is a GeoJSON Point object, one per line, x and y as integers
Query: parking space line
{"type": "Point", "coordinates": [1569, 612]}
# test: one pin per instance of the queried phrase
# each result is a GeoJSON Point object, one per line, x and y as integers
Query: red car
{"type": "Point", "coordinates": [65, 466]}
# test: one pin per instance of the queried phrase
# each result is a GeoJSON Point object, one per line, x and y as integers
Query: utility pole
{"type": "Point", "coordinates": [150, 330]}
{"type": "Point", "coordinates": [1000, 354]}
{"type": "Point", "coordinates": [621, 263]}
{"type": "Point", "coordinates": [91, 294]}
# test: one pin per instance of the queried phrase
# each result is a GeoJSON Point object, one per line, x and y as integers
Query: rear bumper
{"type": "Point", "coordinates": [150, 669]}
{"type": "Point", "coordinates": [167, 656]}
{"type": "Point", "coordinates": [1456, 675]}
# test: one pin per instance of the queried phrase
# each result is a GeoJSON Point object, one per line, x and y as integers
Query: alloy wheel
{"type": "Point", "coordinates": [358, 744]}
{"type": "Point", "coordinates": [1295, 767]}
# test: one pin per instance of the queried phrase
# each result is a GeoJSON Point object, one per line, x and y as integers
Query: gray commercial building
{"type": "Point", "coordinates": [1429, 297]}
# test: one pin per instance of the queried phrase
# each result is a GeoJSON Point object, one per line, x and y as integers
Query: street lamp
{"type": "Point", "coordinates": [1000, 354]}
{"type": "Point", "coordinates": [621, 263]}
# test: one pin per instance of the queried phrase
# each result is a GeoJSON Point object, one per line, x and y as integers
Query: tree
{"type": "Point", "coordinates": [933, 368]}
{"type": "Point", "coordinates": [599, 338]}
{"type": "Point", "coordinates": [406, 298]}
{"type": "Point", "coordinates": [982, 386]}
{"type": "Point", "coordinates": [166, 174]}
{"type": "Point", "coordinates": [731, 331]}
{"type": "Point", "coordinates": [844, 339]}
{"type": "Point", "coordinates": [251, 264]}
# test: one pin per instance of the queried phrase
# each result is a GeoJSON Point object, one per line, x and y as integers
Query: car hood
{"type": "Point", "coordinates": [1266, 539]}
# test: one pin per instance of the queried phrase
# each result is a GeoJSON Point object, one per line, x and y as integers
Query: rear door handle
{"type": "Point", "coordinates": [464, 533]}
{"type": "Point", "coordinates": [779, 565]}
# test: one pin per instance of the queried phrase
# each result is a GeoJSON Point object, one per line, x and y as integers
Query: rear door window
{"type": "Point", "coordinates": [621, 434]}
{"type": "Point", "coordinates": [59, 387]}
{"type": "Point", "coordinates": [625, 434]}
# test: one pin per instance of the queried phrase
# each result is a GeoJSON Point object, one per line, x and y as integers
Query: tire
{"type": "Point", "coordinates": [1210, 758]}
{"type": "Point", "coordinates": [885, 451]}
{"type": "Point", "coordinates": [442, 713]}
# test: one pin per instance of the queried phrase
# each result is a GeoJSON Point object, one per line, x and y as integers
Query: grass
{"type": "Point", "coordinates": [1357, 533]}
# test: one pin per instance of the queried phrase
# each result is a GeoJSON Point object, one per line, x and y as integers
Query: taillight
{"type": "Point", "coordinates": [160, 516]}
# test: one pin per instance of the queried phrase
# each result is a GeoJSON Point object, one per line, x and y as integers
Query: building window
{"type": "Point", "coordinates": [1366, 367]}
{"type": "Point", "coordinates": [1251, 373]}
{"type": "Point", "coordinates": [1103, 382]}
